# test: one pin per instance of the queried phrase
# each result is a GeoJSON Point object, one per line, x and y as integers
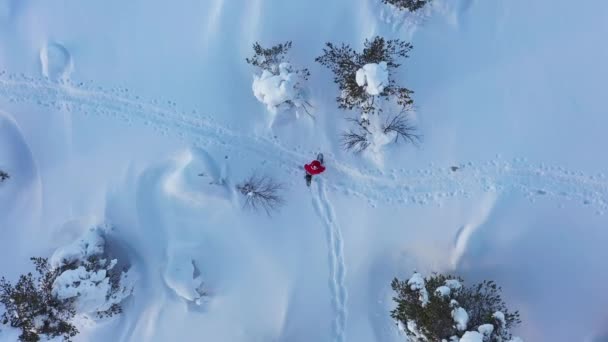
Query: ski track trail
{"type": "Point", "coordinates": [432, 185]}
{"type": "Point", "coordinates": [337, 267]}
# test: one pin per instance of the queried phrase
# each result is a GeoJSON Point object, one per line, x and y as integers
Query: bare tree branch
{"type": "Point", "coordinates": [403, 128]}
{"type": "Point", "coordinates": [357, 142]}
{"type": "Point", "coordinates": [261, 192]}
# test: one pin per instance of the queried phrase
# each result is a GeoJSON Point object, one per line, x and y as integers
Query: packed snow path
{"type": "Point", "coordinates": [424, 186]}
{"type": "Point", "coordinates": [337, 268]}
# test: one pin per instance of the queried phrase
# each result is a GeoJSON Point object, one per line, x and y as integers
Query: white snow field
{"type": "Point", "coordinates": [141, 114]}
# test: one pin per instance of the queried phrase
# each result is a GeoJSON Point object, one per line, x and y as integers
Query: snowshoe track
{"type": "Point", "coordinates": [432, 185]}
{"type": "Point", "coordinates": [337, 266]}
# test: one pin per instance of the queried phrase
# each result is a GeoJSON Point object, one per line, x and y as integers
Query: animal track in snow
{"type": "Point", "coordinates": [337, 266]}
{"type": "Point", "coordinates": [414, 187]}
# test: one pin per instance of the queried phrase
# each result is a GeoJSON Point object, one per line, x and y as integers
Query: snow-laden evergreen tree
{"type": "Point", "coordinates": [410, 5]}
{"type": "Point", "coordinates": [79, 279]}
{"type": "Point", "coordinates": [278, 84]}
{"type": "Point", "coordinates": [442, 308]}
{"type": "Point", "coordinates": [366, 81]}
{"type": "Point", "coordinates": [31, 306]}
{"type": "Point", "coordinates": [90, 276]}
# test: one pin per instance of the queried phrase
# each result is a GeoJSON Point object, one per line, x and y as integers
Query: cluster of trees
{"type": "Point", "coordinates": [366, 81]}
{"type": "Point", "coordinates": [79, 279]}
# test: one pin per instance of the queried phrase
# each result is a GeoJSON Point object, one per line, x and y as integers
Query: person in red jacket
{"type": "Point", "coordinates": [314, 168]}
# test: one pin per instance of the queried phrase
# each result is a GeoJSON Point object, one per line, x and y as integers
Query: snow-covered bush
{"type": "Point", "coordinates": [78, 279]}
{"type": "Point", "coordinates": [4, 176]}
{"type": "Point", "coordinates": [261, 192]}
{"type": "Point", "coordinates": [367, 84]}
{"type": "Point", "coordinates": [278, 83]}
{"type": "Point", "coordinates": [31, 306]}
{"type": "Point", "coordinates": [371, 130]}
{"type": "Point", "coordinates": [441, 308]}
{"type": "Point", "coordinates": [410, 5]}
{"type": "Point", "coordinates": [89, 276]}
{"type": "Point", "coordinates": [364, 76]}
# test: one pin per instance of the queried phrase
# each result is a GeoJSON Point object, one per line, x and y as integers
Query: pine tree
{"type": "Point", "coordinates": [344, 62]}
{"type": "Point", "coordinates": [410, 5]}
{"type": "Point", "coordinates": [426, 310]}
{"type": "Point", "coordinates": [31, 306]}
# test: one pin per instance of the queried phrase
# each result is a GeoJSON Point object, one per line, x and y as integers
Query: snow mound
{"type": "Point", "coordinates": [181, 276]}
{"type": "Point", "coordinates": [275, 90]}
{"type": "Point", "coordinates": [461, 318]}
{"type": "Point", "coordinates": [500, 317]}
{"type": "Point", "coordinates": [453, 284]}
{"type": "Point", "coordinates": [87, 276]}
{"type": "Point", "coordinates": [56, 61]}
{"type": "Point", "coordinates": [472, 336]}
{"type": "Point", "coordinates": [374, 77]}
{"type": "Point", "coordinates": [90, 244]}
{"type": "Point", "coordinates": [21, 195]}
{"type": "Point", "coordinates": [416, 282]}
{"type": "Point", "coordinates": [196, 178]}
{"type": "Point", "coordinates": [443, 291]}
{"type": "Point", "coordinates": [90, 288]}
{"type": "Point", "coordinates": [486, 330]}
{"type": "Point", "coordinates": [446, 290]}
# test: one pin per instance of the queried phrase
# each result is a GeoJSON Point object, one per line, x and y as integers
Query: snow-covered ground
{"type": "Point", "coordinates": [110, 111]}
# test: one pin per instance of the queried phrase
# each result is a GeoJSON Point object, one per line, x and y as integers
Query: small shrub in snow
{"type": "Point", "coordinates": [410, 5]}
{"type": "Point", "coordinates": [261, 192]}
{"type": "Point", "coordinates": [367, 133]}
{"type": "Point", "coordinates": [278, 83]}
{"type": "Point", "coordinates": [440, 308]}
{"type": "Point", "coordinates": [31, 306]}
{"type": "Point", "coordinates": [366, 83]}
{"type": "Point", "coordinates": [4, 176]}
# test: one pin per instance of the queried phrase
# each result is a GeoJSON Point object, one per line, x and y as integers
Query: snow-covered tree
{"type": "Point", "coordinates": [410, 5]}
{"type": "Point", "coordinates": [90, 276]}
{"type": "Point", "coordinates": [366, 82]}
{"type": "Point", "coordinates": [278, 84]}
{"type": "Point", "coordinates": [3, 176]}
{"type": "Point", "coordinates": [79, 279]}
{"type": "Point", "coordinates": [31, 306]}
{"type": "Point", "coordinates": [441, 308]}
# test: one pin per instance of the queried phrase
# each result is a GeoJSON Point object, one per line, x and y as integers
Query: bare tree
{"type": "Point", "coordinates": [261, 193]}
{"type": "Point", "coordinates": [356, 141]}
{"type": "Point", "coordinates": [403, 128]}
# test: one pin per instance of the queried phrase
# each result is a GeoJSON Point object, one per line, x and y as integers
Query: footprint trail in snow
{"type": "Point", "coordinates": [432, 185]}
{"type": "Point", "coordinates": [337, 267]}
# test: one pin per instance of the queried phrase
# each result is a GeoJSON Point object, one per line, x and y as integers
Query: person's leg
{"type": "Point", "coordinates": [308, 179]}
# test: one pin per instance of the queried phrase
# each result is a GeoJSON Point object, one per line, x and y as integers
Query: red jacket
{"type": "Point", "coordinates": [314, 168]}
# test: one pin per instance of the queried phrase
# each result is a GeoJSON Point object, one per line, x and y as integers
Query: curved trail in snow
{"type": "Point", "coordinates": [432, 185]}
{"type": "Point", "coordinates": [337, 266]}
